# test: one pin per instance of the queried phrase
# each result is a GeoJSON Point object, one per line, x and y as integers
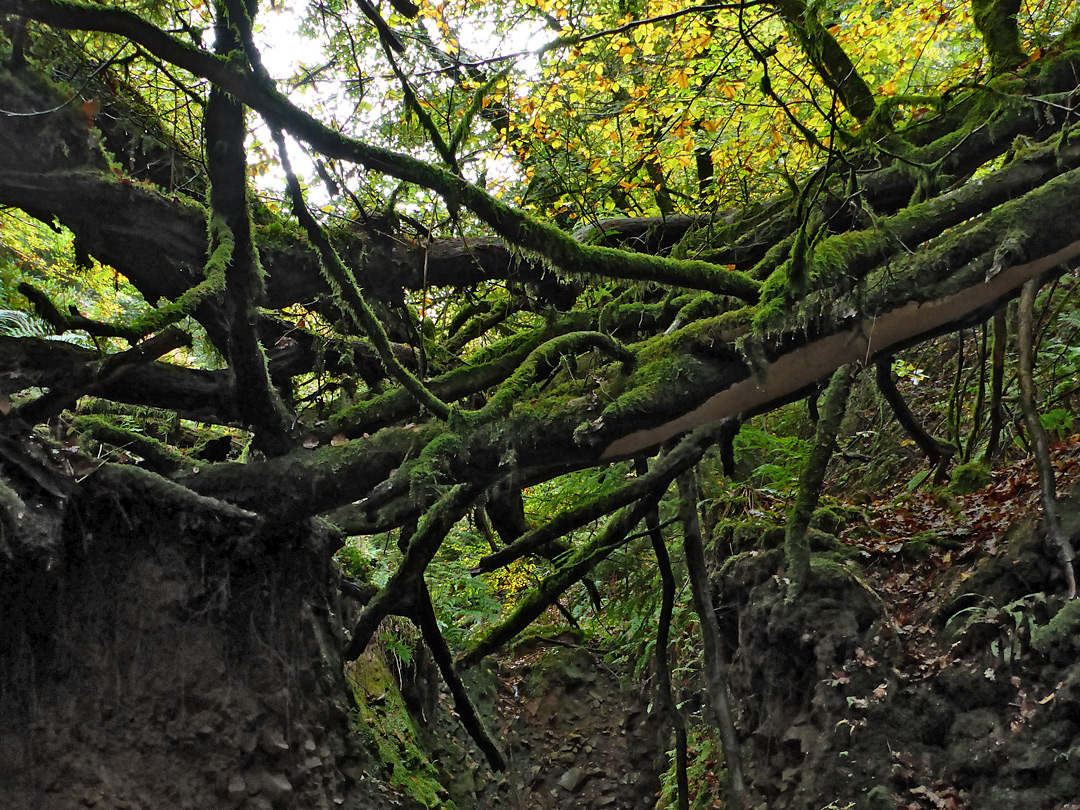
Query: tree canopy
{"type": "Point", "coordinates": [403, 262]}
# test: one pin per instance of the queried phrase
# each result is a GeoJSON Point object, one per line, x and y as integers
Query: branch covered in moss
{"type": "Point", "coordinates": [158, 456]}
{"type": "Point", "coordinates": [397, 596]}
{"type": "Point", "coordinates": [231, 245]}
{"type": "Point", "coordinates": [540, 363]}
{"type": "Point", "coordinates": [516, 227]}
{"type": "Point", "coordinates": [344, 284]}
{"type": "Point", "coordinates": [488, 368]}
{"type": "Point", "coordinates": [684, 456]}
{"type": "Point", "coordinates": [547, 593]}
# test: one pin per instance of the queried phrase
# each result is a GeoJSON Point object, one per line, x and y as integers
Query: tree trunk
{"type": "Point", "coordinates": [1040, 446]}
{"type": "Point", "coordinates": [716, 664]}
{"type": "Point", "coordinates": [937, 452]}
{"type": "Point", "coordinates": [997, 385]}
{"type": "Point", "coordinates": [796, 547]}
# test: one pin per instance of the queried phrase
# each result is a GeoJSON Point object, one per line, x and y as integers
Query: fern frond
{"type": "Point", "coordinates": [14, 323]}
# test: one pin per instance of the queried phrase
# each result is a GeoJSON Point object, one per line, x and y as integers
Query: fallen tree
{"type": "Point", "coordinates": [912, 229]}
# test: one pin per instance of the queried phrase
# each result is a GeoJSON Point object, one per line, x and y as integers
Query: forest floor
{"type": "Point", "coordinates": [919, 548]}
{"type": "Point", "coordinates": [963, 581]}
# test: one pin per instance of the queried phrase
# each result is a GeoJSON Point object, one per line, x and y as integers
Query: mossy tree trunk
{"type": "Point", "coordinates": [796, 544]}
{"type": "Point", "coordinates": [996, 21]}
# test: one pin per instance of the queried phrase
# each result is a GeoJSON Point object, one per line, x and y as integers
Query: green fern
{"type": "Point", "coordinates": [14, 323]}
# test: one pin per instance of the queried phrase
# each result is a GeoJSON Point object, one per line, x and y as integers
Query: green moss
{"type": "Point", "coordinates": [830, 569]}
{"type": "Point", "coordinates": [739, 536]}
{"type": "Point", "coordinates": [544, 634]}
{"type": "Point", "coordinates": [381, 719]}
{"type": "Point", "coordinates": [813, 265]}
{"type": "Point", "coordinates": [837, 256]}
{"type": "Point", "coordinates": [916, 548]}
{"type": "Point", "coordinates": [755, 565]}
{"type": "Point", "coordinates": [212, 285]}
{"type": "Point", "coordinates": [776, 285]}
{"type": "Point", "coordinates": [1062, 630]}
{"type": "Point", "coordinates": [659, 384]}
{"type": "Point", "coordinates": [223, 244]}
{"type": "Point", "coordinates": [969, 478]}
{"type": "Point", "coordinates": [616, 315]}
{"type": "Point", "coordinates": [539, 365]}
{"type": "Point", "coordinates": [431, 467]}
{"type": "Point", "coordinates": [270, 231]}
{"type": "Point", "coordinates": [667, 372]}
{"type": "Point", "coordinates": [826, 543]}
{"type": "Point", "coordinates": [558, 665]}
{"type": "Point", "coordinates": [880, 797]}
{"type": "Point", "coordinates": [103, 429]}
{"type": "Point", "coordinates": [830, 519]}
{"type": "Point", "coordinates": [526, 341]}
{"type": "Point", "coordinates": [770, 315]}
{"type": "Point", "coordinates": [701, 306]}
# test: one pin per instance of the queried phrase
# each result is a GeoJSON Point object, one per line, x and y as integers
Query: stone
{"type": "Point", "coordinates": [572, 779]}
{"type": "Point", "coordinates": [272, 740]}
{"type": "Point", "coordinates": [270, 784]}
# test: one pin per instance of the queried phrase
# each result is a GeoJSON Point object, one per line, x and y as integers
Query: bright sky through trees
{"type": "Point", "coordinates": [290, 47]}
